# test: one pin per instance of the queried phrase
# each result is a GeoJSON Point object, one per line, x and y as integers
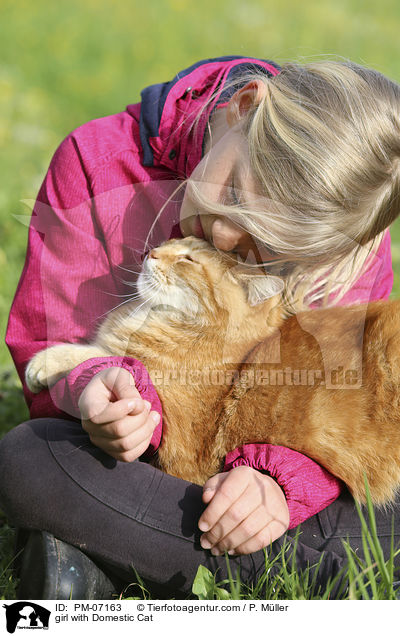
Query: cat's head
{"type": "Point", "coordinates": [204, 285]}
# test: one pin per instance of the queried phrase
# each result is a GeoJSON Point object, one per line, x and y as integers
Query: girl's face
{"type": "Point", "coordinates": [223, 176]}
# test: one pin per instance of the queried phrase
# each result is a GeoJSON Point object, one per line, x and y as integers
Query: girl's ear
{"type": "Point", "coordinates": [245, 98]}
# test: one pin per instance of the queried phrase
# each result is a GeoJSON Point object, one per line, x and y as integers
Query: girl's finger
{"type": "Point", "coordinates": [129, 455]}
{"type": "Point", "coordinates": [122, 384]}
{"type": "Point", "coordinates": [211, 486]}
{"type": "Point", "coordinates": [249, 526]}
{"type": "Point", "coordinates": [132, 440]}
{"type": "Point", "coordinates": [120, 428]}
{"type": "Point", "coordinates": [228, 490]}
{"type": "Point", "coordinates": [105, 412]}
{"type": "Point", "coordinates": [234, 516]}
{"type": "Point", "coordinates": [262, 539]}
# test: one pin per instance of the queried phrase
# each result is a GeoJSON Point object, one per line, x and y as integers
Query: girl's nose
{"type": "Point", "coordinates": [226, 235]}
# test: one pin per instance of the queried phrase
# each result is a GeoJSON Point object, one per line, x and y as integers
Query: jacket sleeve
{"type": "Point", "coordinates": [308, 487]}
{"type": "Point", "coordinates": [66, 393]}
{"type": "Point", "coordinates": [66, 283]}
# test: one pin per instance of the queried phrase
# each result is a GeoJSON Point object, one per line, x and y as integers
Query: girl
{"type": "Point", "coordinates": [295, 167]}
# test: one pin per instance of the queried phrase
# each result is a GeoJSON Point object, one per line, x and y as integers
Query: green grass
{"type": "Point", "coordinates": [369, 578]}
{"type": "Point", "coordinates": [64, 63]}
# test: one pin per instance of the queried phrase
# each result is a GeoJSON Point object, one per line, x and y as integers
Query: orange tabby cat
{"type": "Point", "coordinates": [230, 370]}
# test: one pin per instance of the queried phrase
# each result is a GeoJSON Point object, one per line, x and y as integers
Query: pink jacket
{"type": "Point", "coordinates": [106, 182]}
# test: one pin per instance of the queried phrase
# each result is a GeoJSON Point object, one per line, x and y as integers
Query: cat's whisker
{"type": "Point", "coordinates": [152, 284]}
{"type": "Point", "coordinates": [136, 250]}
{"type": "Point", "coordinates": [137, 309]}
{"type": "Point", "coordinates": [130, 270]}
{"type": "Point", "coordinates": [134, 276]}
{"type": "Point", "coordinates": [170, 198]}
{"type": "Point", "coordinates": [128, 300]}
{"type": "Point", "coordinates": [132, 297]}
{"type": "Point", "coordinates": [130, 283]}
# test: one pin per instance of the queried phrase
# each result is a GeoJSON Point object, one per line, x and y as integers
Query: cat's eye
{"type": "Point", "coordinates": [187, 257]}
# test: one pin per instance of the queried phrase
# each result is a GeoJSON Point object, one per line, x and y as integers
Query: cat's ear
{"type": "Point", "coordinates": [259, 287]}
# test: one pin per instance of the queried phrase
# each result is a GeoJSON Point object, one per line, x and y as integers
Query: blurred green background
{"type": "Point", "coordinates": [63, 63]}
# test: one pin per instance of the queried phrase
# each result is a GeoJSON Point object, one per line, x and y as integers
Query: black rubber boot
{"type": "Point", "coordinates": [51, 569]}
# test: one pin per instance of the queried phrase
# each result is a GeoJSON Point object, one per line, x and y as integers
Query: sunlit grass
{"type": "Point", "coordinates": [367, 577]}
{"type": "Point", "coordinates": [64, 63]}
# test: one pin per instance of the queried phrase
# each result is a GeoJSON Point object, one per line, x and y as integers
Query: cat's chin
{"type": "Point", "coordinates": [145, 287]}
{"type": "Point", "coordinates": [166, 304]}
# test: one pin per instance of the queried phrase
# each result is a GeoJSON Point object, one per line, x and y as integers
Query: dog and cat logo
{"type": "Point", "coordinates": [26, 615]}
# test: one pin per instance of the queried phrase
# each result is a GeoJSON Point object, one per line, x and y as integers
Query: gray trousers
{"type": "Point", "coordinates": [134, 516]}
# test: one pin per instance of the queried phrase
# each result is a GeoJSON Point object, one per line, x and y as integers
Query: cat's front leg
{"type": "Point", "coordinates": [49, 365]}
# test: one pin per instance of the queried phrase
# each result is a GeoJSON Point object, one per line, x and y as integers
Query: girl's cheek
{"type": "Point", "coordinates": [187, 213]}
{"type": "Point", "coordinates": [185, 226]}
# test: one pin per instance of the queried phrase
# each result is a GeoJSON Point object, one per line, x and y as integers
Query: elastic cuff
{"type": "Point", "coordinates": [66, 394]}
{"type": "Point", "coordinates": [308, 487]}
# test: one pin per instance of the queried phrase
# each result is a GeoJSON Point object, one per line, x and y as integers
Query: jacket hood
{"type": "Point", "coordinates": [169, 133]}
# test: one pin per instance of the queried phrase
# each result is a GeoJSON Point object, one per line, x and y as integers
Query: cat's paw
{"type": "Point", "coordinates": [50, 365]}
{"type": "Point", "coordinates": [45, 368]}
{"type": "Point", "coordinates": [35, 375]}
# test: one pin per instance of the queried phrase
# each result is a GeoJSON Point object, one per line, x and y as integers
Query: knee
{"type": "Point", "coordinates": [20, 464]}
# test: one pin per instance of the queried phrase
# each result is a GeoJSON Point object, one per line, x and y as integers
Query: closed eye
{"type": "Point", "coordinates": [187, 257]}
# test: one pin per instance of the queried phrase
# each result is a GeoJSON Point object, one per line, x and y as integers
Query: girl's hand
{"type": "Point", "coordinates": [246, 511]}
{"type": "Point", "coordinates": [114, 415]}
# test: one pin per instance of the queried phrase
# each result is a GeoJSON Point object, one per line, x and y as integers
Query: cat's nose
{"type": "Point", "coordinates": [153, 254]}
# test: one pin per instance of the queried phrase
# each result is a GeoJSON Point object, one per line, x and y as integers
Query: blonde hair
{"type": "Point", "coordinates": [324, 148]}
